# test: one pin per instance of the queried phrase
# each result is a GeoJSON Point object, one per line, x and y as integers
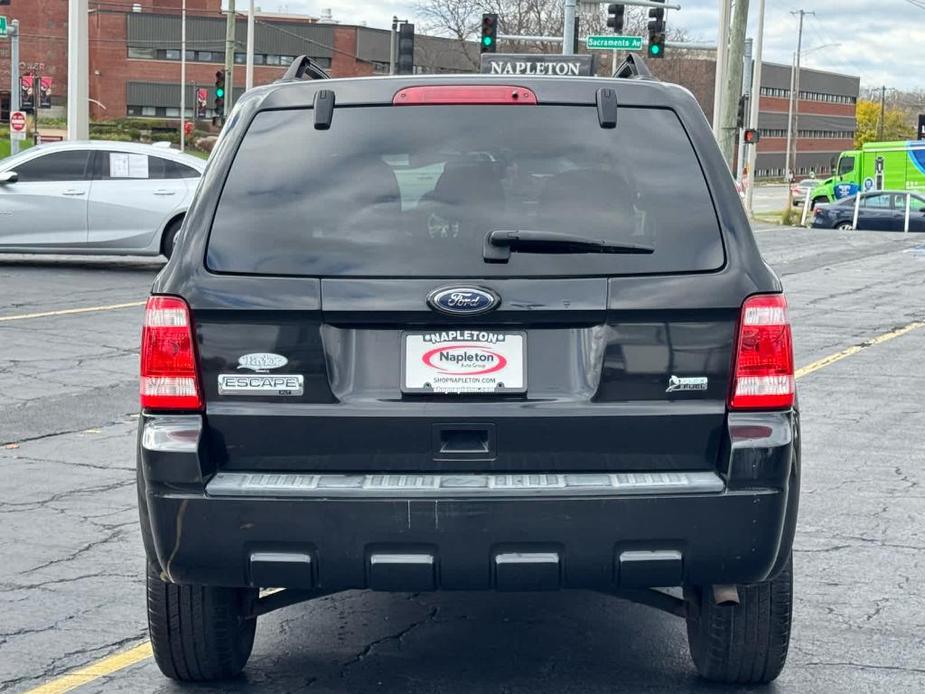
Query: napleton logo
{"type": "Point", "coordinates": [464, 360]}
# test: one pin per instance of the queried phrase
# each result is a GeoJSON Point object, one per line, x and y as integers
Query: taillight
{"type": "Point", "coordinates": [168, 360]}
{"type": "Point", "coordinates": [763, 373]}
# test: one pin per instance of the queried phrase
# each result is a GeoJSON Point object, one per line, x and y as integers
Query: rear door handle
{"type": "Point", "coordinates": [73, 193]}
{"type": "Point", "coordinates": [165, 192]}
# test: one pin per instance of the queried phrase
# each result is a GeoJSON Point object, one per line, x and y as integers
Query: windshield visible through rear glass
{"type": "Point", "coordinates": [414, 191]}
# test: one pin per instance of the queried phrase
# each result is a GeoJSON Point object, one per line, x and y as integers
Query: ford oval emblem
{"type": "Point", "coordinates": [463, 301]}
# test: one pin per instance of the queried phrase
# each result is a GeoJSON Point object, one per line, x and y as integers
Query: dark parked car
{"type": "Point", "coordinates": [877, 211]}
{"type": "Point", "coordinates": [443, 332]}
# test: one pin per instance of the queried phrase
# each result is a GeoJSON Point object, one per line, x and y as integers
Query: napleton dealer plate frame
{"type": "Point", "coordinates": [485, 341]}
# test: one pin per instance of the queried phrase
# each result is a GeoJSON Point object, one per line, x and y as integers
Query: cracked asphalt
{"type": "Point", "coordinates": [71, 564]}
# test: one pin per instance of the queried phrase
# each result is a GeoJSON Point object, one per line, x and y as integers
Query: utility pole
{"type": "Point", "coordinates": [568, 29]}
{"type": "Point", "coordinates": [722, 44]}
{"type": "Point", "coordinates": [882, 113]}
{"type": "Point", "coordinates": [13, 33]}
{"type": "Point", "coordinates": [183, 77]}
{"type": "Point", "coordinates": [229, 58]}
{"type": "Point", "coordinates": [249, 59]}
{"type": "Point", "coordinates": [755, 111]}
{"type": "Point", "coordinates": [793, 117]}
{"type": "Point", "coordinates": [78, 71]}
{"type": "Point", "coordinates": [732, 89]}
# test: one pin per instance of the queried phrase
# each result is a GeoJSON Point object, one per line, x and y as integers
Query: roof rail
{"type": "Point", "coordinates": [634, 68]}
{"type": "Point", "coordinates": [303, 68]}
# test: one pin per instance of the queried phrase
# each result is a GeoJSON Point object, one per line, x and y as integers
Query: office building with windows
{"type": "Point", "coordinates": [826, 113]}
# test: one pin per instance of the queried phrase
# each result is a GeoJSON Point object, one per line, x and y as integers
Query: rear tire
{"type": "Point", "coordinates": [199, 633]}
{"type": "Point", "coordinates": [844, 226]}
{"type": "Point", "coordinates": [745, 643]}
{"type": "Point", "coordinates": [169, 239]}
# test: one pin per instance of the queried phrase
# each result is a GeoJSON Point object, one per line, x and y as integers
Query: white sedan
{"type": "Point", "coordinates": [95, 197]}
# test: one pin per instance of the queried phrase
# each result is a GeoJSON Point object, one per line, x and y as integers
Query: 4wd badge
{"type": "Point", "coordinates": [682, 384]}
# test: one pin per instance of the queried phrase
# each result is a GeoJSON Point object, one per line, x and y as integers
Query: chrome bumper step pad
{"type": "Point", "coordinates": [248, 484]}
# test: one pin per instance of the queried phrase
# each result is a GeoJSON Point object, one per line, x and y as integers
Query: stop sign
{"type": "Point", "coordinates": [17, 121]}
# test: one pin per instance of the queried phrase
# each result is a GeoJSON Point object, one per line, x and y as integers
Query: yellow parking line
{"type": "Point", "coordinates": [119, 661]}
{"type": "Point", "coordinates": [838, 356]}
{"type": "Point", "coordinates": [72, 311]}
{"type": "Point", "coordinates": [94, 671]}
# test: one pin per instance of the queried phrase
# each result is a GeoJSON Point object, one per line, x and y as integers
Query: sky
{"type": "Point", "coordinates": [883, 41]}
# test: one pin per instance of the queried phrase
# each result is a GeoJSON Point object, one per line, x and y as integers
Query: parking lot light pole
{"type": "Point", "coordinates": [78, 72]}
{"type": "Point", "coordinates": [14, 78]}
{"type": "Point", "coordinates": [183, 77]}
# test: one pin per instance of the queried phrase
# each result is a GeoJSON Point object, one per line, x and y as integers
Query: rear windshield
{"type": "Point", "coordinates": [413, 191]}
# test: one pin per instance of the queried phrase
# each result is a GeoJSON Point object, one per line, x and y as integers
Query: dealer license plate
{"type": "Point", "coordinates": [464, 361]}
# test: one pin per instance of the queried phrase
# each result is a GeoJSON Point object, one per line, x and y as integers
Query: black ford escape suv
{"type": "Point", "coordinates": [468, 333]}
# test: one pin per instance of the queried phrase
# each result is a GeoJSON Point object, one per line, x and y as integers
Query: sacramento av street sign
{"type": "Point", "coordinates": [618, 43]}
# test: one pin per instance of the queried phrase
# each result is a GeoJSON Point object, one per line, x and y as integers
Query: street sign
{"type": "Point", "coordinates": [537, 64]}
{"type": "Point", "coordinates": [618, 43]}
{"type": "Point", "coordinates": [17, 125]}
{"type": "Point", "coordinates": [2, 27]}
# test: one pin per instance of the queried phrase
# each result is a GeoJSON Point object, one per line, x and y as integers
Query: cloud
{"type": "Point", "coordinates": [871, 34]}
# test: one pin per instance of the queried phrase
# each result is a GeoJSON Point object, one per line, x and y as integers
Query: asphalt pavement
{"type": "Point", "coordinates": [71, 562]}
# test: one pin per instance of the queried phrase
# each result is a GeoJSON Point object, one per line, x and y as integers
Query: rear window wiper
{"type": "Point", "coordinates": [499, 244]}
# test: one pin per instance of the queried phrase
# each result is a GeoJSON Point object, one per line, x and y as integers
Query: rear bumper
{"type": "Point", "coordinates": [455, 533]}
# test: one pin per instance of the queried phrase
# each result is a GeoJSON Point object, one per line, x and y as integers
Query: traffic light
{"type": "Point", "coordinates": [657, 31]}
{"type": "Point", "coordinates": [219, 94]}
{"type": "Point", "coordinates": [743, 107]}
{"type": "Point", "coordinates": [615, 18]}
{"type": "Point", "coordinates": [489, 43]}
{"type": "Point", "coordinates": [751, 137]}
{"type": "Point", "coordinates": [405, 64]}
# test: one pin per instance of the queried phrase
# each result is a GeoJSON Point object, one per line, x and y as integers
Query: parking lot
{"type": "Point", "coordinates": [72, 570]}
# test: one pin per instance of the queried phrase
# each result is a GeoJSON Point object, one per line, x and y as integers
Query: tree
{"type": "Point", "coordinates": [896, 124]}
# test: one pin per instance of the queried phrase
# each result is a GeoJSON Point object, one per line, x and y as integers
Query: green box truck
{"type": "Point", "coordinates": [876, 166]}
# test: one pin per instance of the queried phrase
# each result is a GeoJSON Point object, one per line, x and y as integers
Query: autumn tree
{"type": "Point", "coordinates": [896, 124]}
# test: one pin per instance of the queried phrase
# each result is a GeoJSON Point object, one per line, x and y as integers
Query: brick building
{"type": "Point", "coordinates": [827, 112]}
{"type": "Point", "coordinates": [135, 51]}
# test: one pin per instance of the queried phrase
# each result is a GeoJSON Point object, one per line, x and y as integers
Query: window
{"type": "Point", "coordinates": [172, 112]}
{"type": "Point", "coordinates": [207, 57]}
{"type": "Point", "coordinates": [272, 60]}
{"type": "Point", "coordinates": [148, 111]}
{"type": "Point", "coordinates": [58, 166]}
{"type": "Point", "coordinates": [171, 54]}
{"type": "Point", "coordinates": [916, 204]}
{"type": "Point", "coordinates": [165, 168]}
{"type": "Point", "coordinates": [845, 165]}
{"type": "Point", "coordinates": [142, 53]}
{"type": "Point", "coordinates": [880, 201]}
{"type": "Point", "coordinates": [430, 182]}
